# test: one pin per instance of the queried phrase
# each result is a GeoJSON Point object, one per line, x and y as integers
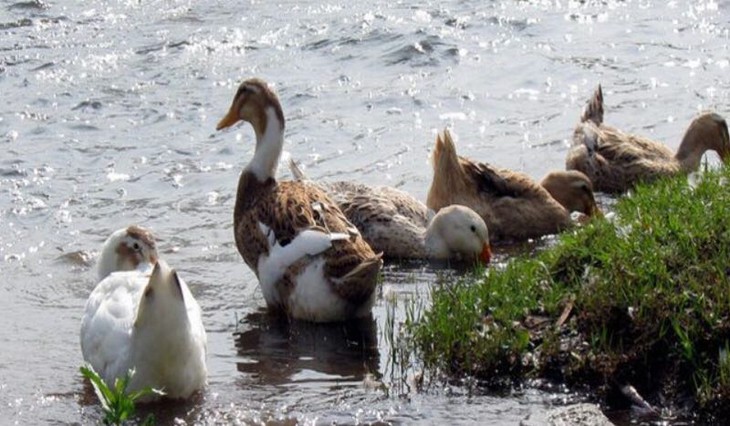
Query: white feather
{"type": "Point", "coordinates": [313, 298]}
{"type": "Point", "coordinates": [272, 267]}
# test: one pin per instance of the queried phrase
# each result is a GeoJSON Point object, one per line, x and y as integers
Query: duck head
{"type": "Point", "coordinates": [126, 249]}
{"type": "Point", "coordinates": [459, 232]}
{"type": "Point", "coordinates": [707, 132]}
{"type": "Point", "coordinates": [573, 190]}
{"type": "Point", "coordinates": [257, 104]}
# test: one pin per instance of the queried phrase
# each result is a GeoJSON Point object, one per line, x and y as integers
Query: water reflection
{"type": "Point", "coordinates": [276, 350]}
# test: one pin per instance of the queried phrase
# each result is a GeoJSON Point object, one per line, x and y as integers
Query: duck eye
{"type": "Point", "coordinates": [136, 247]}
{"type": "Point", "coordinates": [244, 89]}
{"type": "Point", "coordinates": [473, 228]}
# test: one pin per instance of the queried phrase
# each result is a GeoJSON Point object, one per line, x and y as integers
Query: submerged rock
{"type": "Point", "coordinates": [573, 415]}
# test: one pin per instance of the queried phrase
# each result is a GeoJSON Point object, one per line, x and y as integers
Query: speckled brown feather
{"type": "Point", "coordinates": [615, 161]}
{"type": "Point", "coordinates": [390, 220]}
{"type": "Point", "coordinates": [286, 208]}
{"type": "Point", "coordinates": [393, 200]}
{"type": "Point", "coordinates": [511, 203]}
{"type": "Point", "coordinates": [382, 223]}
{"type": "Point", "coordinates": [593, 111]}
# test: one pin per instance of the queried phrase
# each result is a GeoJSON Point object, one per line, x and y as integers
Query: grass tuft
{"type": "Point", "coordinates": [643, 300]}
{"type": "Point", "coordinates": [118, 404]}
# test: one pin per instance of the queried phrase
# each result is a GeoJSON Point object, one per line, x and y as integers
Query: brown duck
{"type": "Point", "coordinates": [512, 204]}
{"type": "Point", "coordinates": [615, 161]}
{"type": "Point", "coordinates": [311, 262]}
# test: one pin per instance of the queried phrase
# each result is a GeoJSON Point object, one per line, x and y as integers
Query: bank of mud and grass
{"type": "Point", "coordinates": [640, 300]}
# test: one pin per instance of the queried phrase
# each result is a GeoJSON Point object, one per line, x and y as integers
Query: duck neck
{"type": "Point", "coordinates": [433, 245]}
{"type": "Point", "coordinates": [269, 144]}
{"type": "Point", "coordinates": [689, 153]}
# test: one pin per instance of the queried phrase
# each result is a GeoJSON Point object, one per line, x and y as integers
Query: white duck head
{"type": "Point", "coordinates": [125, 250]}
{"type": "Point", "coordinates": [458, 232]}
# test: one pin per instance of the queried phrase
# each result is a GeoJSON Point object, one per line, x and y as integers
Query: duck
{"type": "Point", "coordinates": [125, 250]}
{"type": "Point", "coordinates": [148, 321]}
{"type": "Point", "coordinates": [512, 204]}
{"type": "Point", "coordinates": [295, 225]}
{"type": "Point", "coordinates": [573, 190]}
{"type": "Point", "coordinates": [401, 227]}
{"type": "Point", "coordinates": [615, 161]}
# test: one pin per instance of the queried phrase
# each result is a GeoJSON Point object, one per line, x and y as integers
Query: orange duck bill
{"type": "Point", "coordinates": [486, 255]}
{"type": "Point", "coordinates": [229, 120]}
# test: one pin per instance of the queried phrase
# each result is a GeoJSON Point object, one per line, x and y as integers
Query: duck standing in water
{"type": "Point", "coordinates": [400, 226]}
{"type": "Point", "coordinates": [311, 262]}
{"type": "Point", "coordinates": [615, 161]}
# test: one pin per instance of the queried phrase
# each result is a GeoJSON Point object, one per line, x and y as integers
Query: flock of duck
{"type": "Point", "coordinates": [317, 247]}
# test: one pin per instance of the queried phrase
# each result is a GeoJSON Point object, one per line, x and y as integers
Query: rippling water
{"type": "Point", "coordinates": [107, 118]}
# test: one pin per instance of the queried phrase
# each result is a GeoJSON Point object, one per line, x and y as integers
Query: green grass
{"type": "Point", "coordinates": [648, 297]}
{"type": "Point", "coordinates": [117, 403]}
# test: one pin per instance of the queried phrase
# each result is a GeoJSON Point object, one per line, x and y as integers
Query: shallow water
{"type": "Point", "coordinates": [108, 118]}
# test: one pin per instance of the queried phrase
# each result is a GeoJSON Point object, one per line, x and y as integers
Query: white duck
{"type": "Point", "coordinates": [147, 320]}
{"type": "Point", "coordinates": [402, 227]}
{"type": "Point", "coordinates": [125, 250]}
{"type": "Point", "coordinates": [317, 282]}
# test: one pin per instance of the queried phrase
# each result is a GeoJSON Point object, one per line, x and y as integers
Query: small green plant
{"type": "Point", "coordinates": [117, 403]}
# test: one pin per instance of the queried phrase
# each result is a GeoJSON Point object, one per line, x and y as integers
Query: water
{"type": "Point", "coordinates": [107, 119]}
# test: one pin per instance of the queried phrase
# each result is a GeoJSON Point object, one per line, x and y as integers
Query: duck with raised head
{"type": "Point", "coordinates": [311, 262]}
{"type": "Point", "coordinates": [512, 204]}
{"type": "Point", "coordinates": [397, 224]}
{"type": "Point", "coordinates": [616, 161]}
{"type": "Point", "coordinates": [125, 250]}
{"type": "Point", "coordinates": [147, 320]}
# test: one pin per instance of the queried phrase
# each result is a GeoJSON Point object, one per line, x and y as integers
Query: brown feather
{"type": "Point", "coordinates": [615, 161]}
{"type": "Point", "coordinates": [511, 203]}
{"type": "Point", "coordinates": [287, 209]}
{"type": "Point", "coordinates": [142, 234]}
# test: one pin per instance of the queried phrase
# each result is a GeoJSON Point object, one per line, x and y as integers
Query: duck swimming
{"type": "Point", "coordinates": [147, 320]}
{"type": "Point", "coordinates": [513, 206]}
{"type": "Point", "coordinates": [400, 226]}
{"type": "Point", "coordinates": [615, 161]}
{"type": "Point", "coordinates": [328, 272]}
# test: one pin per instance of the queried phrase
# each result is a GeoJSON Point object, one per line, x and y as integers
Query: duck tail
{"type": "Point", "coordinates": [444, 153]}
{"type": "Point", "coordinates": [447, 171]}
{"type": "Point", "coordinates": [593, 110]}
{"type": "Point", "coordinates": [358, 285]}
{"type": "Point", "coordinates": [296, 172]}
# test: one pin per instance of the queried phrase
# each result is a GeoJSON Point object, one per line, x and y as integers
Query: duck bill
{"type": "Point", "coordinates": [594, 211]}
{"type": "Point", "coordinates": [229, 120]}
{"type": "Point", "coordinates": [725, 155]}
{"type": "Point", "coordinates": [486, 255]}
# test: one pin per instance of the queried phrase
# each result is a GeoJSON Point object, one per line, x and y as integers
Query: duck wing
{"type": "Point", "coordinates": [291, 207]}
